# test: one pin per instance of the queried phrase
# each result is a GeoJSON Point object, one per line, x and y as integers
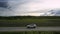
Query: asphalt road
{"type": "Point", "coordinates": [26, 29]}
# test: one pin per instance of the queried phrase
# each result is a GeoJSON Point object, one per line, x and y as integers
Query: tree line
{"type": "Point", "coordinates": [33, 17]}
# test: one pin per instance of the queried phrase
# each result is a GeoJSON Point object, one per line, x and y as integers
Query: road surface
{"type": "Point", "coordinates": [26, 29]}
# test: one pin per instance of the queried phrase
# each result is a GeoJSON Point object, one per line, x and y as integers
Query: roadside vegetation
{"type": "Point", "coordinates": [21, 21]}
{"type": "Point", "coordinates": [31, 32]}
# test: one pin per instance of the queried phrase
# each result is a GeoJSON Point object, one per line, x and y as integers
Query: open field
{"type": "Point", "coordinates": [24, 20]}
{"type": "Point", "coordinates": [32, 32]}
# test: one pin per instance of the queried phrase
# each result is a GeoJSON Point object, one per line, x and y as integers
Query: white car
{"type": "Point", "coordinates": [31, 26]}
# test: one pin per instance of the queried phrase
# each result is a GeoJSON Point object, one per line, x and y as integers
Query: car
{"type": "Point", "coordinates": [31, 26]}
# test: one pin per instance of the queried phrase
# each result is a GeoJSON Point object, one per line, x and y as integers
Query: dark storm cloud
{"type": "Point", "coordinates": [5, 9]}
{"type": "Point", "coordinates": [3, 3]}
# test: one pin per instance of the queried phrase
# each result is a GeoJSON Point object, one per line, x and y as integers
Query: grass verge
{"type": "Point", "coordinates": [31, 32]}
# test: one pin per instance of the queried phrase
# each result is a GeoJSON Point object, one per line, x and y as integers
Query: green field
{"type": "Point", "coordinates": [31, 32]}
{"type": "Point", "coordinates": [21, 21]}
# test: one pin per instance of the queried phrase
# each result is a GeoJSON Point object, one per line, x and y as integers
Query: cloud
{"type": "Point", "coordinates": [3, 3]}
{"type": "Point", "coordinates": [18, 7]}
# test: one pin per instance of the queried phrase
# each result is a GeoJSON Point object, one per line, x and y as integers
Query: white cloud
{"type": "Point", "coordinates": [38, 5]}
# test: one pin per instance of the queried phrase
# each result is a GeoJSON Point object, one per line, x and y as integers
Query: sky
{"type": "Point", "coordinates": [27, 7]}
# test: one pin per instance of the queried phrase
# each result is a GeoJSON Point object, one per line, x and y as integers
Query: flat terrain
{"type": "Point", "coordinates": [21, 21]}
{"type": "Point", "coordinates": [2, 29]}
